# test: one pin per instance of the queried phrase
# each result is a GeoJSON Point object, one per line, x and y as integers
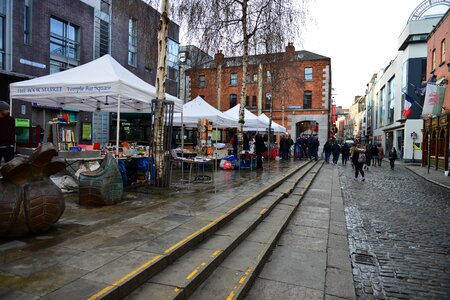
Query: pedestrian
{"type": "Point", "coordinates": [313, 147]}
{"type": "Point", "coordinates": [284, 147]}
{"type": "Point", "coordinates": [380, 154]}
{"type": "Point", "coordinates": [7, 133]}
{"type": "Point", "coordinates": [304, 146]}
{"type": "Point", "coordinates": [345, 150]}
{"type": "Point", "coordinates": [392, 157]}
{"type": "Point", "coordinates": [352, 151]}
{"type": "Point", "coordinates": [335, 150]}
{"type": "Point", "coordinates": [246, 142]}
{"type": "Point", "coordinates": [260, 148]}
{"type": "Point", "coordinates": [374, 155]}
{"type": "Point", "coordinates": [298, 148]}
{"type": "Point", "coordinates": [358, 159]}
{"type": "Point", "coordinates": [327, 151]}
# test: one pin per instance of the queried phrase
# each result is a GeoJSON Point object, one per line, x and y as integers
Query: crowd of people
{"type": "Point", "coordinates": [360, 156]}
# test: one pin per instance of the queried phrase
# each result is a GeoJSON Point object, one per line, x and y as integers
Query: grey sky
{"type": "Point", "coordinates": [360, 36]}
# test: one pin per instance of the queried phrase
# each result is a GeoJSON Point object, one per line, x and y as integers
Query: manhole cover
{"type": "Point", "coordinates": [364, 259]}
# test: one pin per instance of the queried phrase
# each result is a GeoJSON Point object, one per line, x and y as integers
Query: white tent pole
{"type": "Point", "coordinates": [10, 106]}
{"type": "Point", "coordinates": [118, 126]}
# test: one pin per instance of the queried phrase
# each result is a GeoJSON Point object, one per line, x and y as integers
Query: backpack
{"type": "Point", "coordinates": [362, 158]}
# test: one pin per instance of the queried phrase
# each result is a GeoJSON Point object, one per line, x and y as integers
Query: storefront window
{"type": "Point", "coordinates": [133, 127]}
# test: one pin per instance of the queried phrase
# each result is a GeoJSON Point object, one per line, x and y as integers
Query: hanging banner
{"type": "Point", "coordinates": [434, 99]}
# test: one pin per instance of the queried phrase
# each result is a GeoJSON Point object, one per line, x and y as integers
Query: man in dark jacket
{"type": "Point", "coordinates": [335, 149]}
{"type": "Point", "coordinates": [327, 151]}
{"type": "Point", "coordinates": [7, 133]}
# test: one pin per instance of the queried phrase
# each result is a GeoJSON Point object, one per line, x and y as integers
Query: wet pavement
{"type": "Point", "coordinates": [312, 258]}
{"type": "Point", "coordinates": [399, 233]}
{"type": "Point", "coordinates": [90, 247]}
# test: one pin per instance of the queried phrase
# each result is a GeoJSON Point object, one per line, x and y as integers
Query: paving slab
{"type": "Point", "coordinates": [306, 231]}
{"type": "Point", "coordinates": [10, 294]}
{"type": "Point", "coordinates": [222, 278]}
{"type": "Point", "coordinates": [338, 242]}
{"type": "Point", "coordinates": [72, 290]}
{"type": "Point", "coordinates": [118, 268]}
{"type": "Point", "coordinates": [303, 242]}
{"type": "Point", "coordinates": [161, 243]}
{"type": "Point", "coordinates": [92, 259]}
{"type": "Point", "coordinates": [338, 228]}
{"type": "Point", "coordinates": [296, 266]}
{"type": "Point", "coordinates": [339, 259]}
{"type": "Point", "coordinates": [273, 290]}
{"type": "Point", "coordinates": [244, 256]}
{"type": "Point", "coordinates": [340, 283]}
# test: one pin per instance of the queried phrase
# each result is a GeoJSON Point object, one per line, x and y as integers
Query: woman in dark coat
{"type": "Point", "coordinates": [345, 153]}
{"type": "Point", "coordinates": [260, 148]}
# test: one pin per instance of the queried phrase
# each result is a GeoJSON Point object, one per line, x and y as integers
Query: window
{"type": "Point", "coordinates": [308, 74]}
{"type": "Point", "coordinates": [382, 105]}
{"type": "Point", "coordinates": [247, 101]}
{"type": "Point", "coordinates": [132, 42]}
{"type": "Point", "coordinates": [248, 78]}
{"type": "Point", "coordinates": [104, 6]}
{"type": "Point", "coordinates": [268, 101]}
{"type": "Point", "coordinates": [27, 22]}
{"type": "Point", "coordinates": [64, 45]}
{"type": "Point", "coordinates": [391, 100]}
{"type": "Point", "coordinates": [433, 60]}
{"type": "Point", "coordinates": [2, 33]}
{"type": "Point", "coordinates": [104, 38]}
{"type": "Point", "coordinates": [172, 60]}
{"type": "Point", "coordinates": [201, 81]}
{"type": "Point", "coordinates": [255, 77]}
{"type": "Point", "coordinates": [233, 100]}
{"type": "Point", "coordinates": [443, 51]}
{"type": "Point", "coordinates": [268, 76]}
{"type": "Point", "coordinates": [307, 100]}
{"type": "Point", "coordinates": [233, 79]}
{"type": "Point", "coordinates": [254, 101]}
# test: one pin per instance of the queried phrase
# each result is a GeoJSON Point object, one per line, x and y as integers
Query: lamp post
{"type": "Point", "coordinates": [414, 137]}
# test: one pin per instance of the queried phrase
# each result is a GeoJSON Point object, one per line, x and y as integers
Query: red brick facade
{"type": "Point", "coordinates": [439, 44]}
{"type": "Point", "coordinates": [287, 84]}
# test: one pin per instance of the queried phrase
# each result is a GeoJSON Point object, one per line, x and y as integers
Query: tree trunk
{"type": "Point", "coordinates": [244, 79]}
{"type": "Point", "coordinates": [158, 142]}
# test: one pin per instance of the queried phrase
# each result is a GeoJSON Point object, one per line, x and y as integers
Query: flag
{"type": "Point", "coordinates": [407, 108]}
{"type": "Point", "coordinates": [434, 98]}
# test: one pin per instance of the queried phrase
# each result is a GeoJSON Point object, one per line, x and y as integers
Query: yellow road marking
{"type": "Point", "coordinates": [192, 274]}
{"type": "Point", "coordinates": [216, 252]}
{"type": "Point", "coordinates": [124, 278]}
{"type": "Point", "coordinates": [204, 228]}
{"type": "Point", "coordinates": [263, 211]}
{"type": "Point", "coordinates": [176, 290]}
{"type": "Point", "coordinates": [230, 296]}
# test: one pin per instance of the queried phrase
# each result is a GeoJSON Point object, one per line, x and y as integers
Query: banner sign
{"type": "Point", "coordinates": [60, 90]}
{"type": "Point", "coordinates": [434, 99]}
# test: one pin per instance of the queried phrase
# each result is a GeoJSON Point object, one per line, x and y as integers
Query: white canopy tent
{"type": "Point", "coordinates": [251, 120]}
{"type": "Point", "coordinates": [200, 109]}
{"type": "Point", "coordinates": [100, 85]}
{"type": "Point", "coordinates": [275, 126]}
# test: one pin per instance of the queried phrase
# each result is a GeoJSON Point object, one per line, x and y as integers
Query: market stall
{"type": "Point", "coordinates": [102, 85]}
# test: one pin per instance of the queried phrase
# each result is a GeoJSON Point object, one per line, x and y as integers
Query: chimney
{"type": "Point", "coordinates": [219, 57]}
{"type": "Point", "coordinates": [290, 50]}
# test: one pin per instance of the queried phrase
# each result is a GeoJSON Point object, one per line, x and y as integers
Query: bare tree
{"type": "Point", "coordinates": [161, 74]}
{"type": "Point", "coordinates": [238, 25]}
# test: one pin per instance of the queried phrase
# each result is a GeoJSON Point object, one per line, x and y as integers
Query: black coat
{"type": "Point", "coordinates": [260, 147]}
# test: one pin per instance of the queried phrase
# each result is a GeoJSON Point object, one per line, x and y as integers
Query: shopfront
{"type": "Point", "coordinates": [436, 144]}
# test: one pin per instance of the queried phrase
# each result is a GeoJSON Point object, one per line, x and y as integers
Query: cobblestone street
{"type": "Point", "coordinates": [398, 226]}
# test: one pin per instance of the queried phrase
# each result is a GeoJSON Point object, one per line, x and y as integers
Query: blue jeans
{"type": "Point", "coordinates": [327, 157]}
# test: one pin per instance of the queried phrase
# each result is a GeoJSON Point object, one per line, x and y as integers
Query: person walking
{"type": "Point", "coordinates": [298, 148]}
{"type": "Point", "coordinates": [380, 154]}
{"type": "Point", "coordinates": [345, 150]}
{"type": "Point", "coordinates": [392, 157]}
{"type": "Point", "coordinates": [374, 155]}
{"type": "Point", "coordinates": [260, 148]}
{"type": "Point", "coordinates": [7, 133]}
{"type": "Point", "coordinates": [327, 151]}
{"type": "Point", "coordinates": [358, 159]}
{"type": "Point", "coordinates": [335, 150]}
{"type": "Point", "coordinates": [352, 151]}
{"type": "Point", "coordinates": [313, 147]}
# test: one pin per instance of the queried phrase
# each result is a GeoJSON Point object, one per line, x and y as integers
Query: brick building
{"type": "Point", "coordinates": [40, 37]}
{"type": "Point", "coordinates": [295, 85]}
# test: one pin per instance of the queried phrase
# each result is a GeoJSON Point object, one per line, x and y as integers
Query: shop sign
{"type": "Point", "coordinates": [22, 123]}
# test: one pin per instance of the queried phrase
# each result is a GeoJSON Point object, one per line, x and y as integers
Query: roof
{"type": "Point", "coordinates": [236, 61]}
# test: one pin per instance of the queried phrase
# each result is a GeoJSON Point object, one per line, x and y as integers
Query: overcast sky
{"type": "Point", "coordinates": [360, 37]}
